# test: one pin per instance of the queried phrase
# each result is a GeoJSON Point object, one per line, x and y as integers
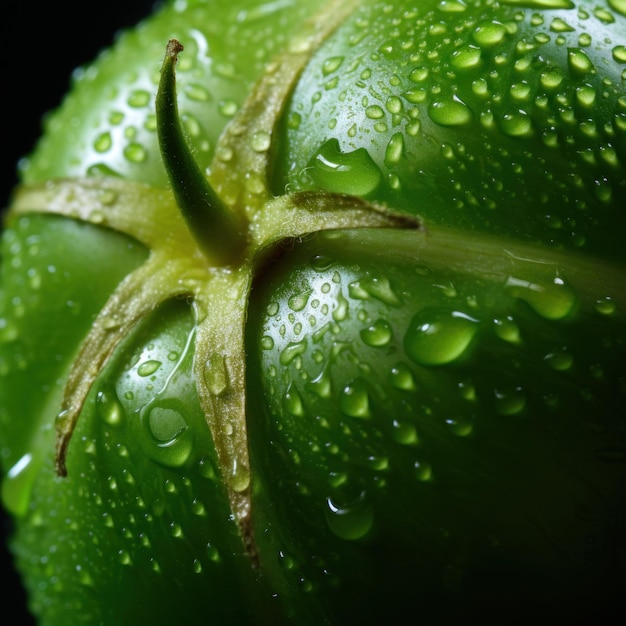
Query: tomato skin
{"type": "Point", "coordinates": [434, 418]}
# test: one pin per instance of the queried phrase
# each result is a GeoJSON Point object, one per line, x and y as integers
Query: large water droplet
{"type": "Point", "coordinates": [439, 336]}
{"type": "Point", "coordinates": [169, 439]}
{"type": "Point", "coordinates": [216, 374]}
{"type": "Point", "coordinates": [551, 300]}
{"type": "Point", "coordinates": [450, 112]}
{"type": "Point", "coordinates": [353, 173]}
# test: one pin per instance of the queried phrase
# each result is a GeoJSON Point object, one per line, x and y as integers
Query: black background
{"type": "Point", "coordinates": [42, 43]}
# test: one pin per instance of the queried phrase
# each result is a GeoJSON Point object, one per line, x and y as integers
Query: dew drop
{"type": "Point", "coordinates": [321, 386]}
{"type": "Point", "coordinates": [619, 54]}
{"type": "Point", "coordinates": [331, 65]}
{"type": "Point", "coordinates": [216, 374]}
{"type": "Point", "coordinates": [578, 62]}
{"type": "Point", "coordinates": [139, 98]}
{"type": "Point", "coordinates": [261, 141]}
{"type": "Point", "coordinates": [351, 521]}
{"type": "Point", "coordinates": [109, 408]}
{"type": "Point", "coordinates": [467, 57]}
{"type": "Point", "coordinates": [353, 173]}
{"type": "Point", "coordinates": [402, 378]}
{"type": "Point", "coordinates": [507, 330]}
{"type": "Point", "coordinates": [552, 301]}
{"type": "Point", "coordinates": [516, 124]}
{"type": "Point", "coordinates": [378, 334]}
{"type": "Point", "coordinates": [291, 351]}
{"type": "Point", "coordinates": [404, 433]}
{"type": "Point", "coordinates": [560, 359]}
{"type": "Point", "coordinates": [461, 426]}
{"type": "Point", "coordinates": [148, 367]}
{"type": "Point", "coordinates": [509, 401]}
{"type": "Point", "coordinates": [293, 401]}
{"type": "Point", "coordinates": [354, 399]}
{"type": "Point", "coordinates": [423, 471]}
{"type": "Point", "coordinates": [103, 142]}
{"type": "Point", "coordinates": [489, 33]}
{"type": "Point", "coordinates": [618, 5]}
{"type": "Point", "coordinates": [169, 439]}
{"type": "Point", "coordinates": [439, 336]}
{"type": "Point", "coordinates": [450, 112]}
{"type": "Point", "coordinates": [135, 153]}
{"type": "Point", "coordinates": [394, 150]}
{"type": "Point", "coordinates": [605, 306]}
{"type": "Point", "coordinates": [17, 485]}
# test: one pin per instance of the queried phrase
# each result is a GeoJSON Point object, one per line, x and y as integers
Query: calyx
{"type": "Point", "coordinates": [208, 236]}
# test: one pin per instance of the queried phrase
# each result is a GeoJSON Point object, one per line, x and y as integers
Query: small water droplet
{"type": "Point", "coordinates": [350, 521]}
{"type": "Point", "coordinates": [439, 336]}
{"type": "Point", "coordinates": [135, 153]}
{"type": "Point", "coordinates": [138, 98]}
{"type": "Point", "coordinates": [605, 306]}
{"type": "Point", "coordinates": [109, 408]}
{"type": "Point", "coordinates": [261, 141]}
{"type": "Point", "coordinates": [354, 399]}
{"type": "Point", "coordinates": [405, 433]}
{"type": "Point", "coordinates": [560, 359]}
{"type": "Point", "coordinates": [169, 439]}
{"type": "Point", "coordinates": [148, 367]}
{"type": "Point", "coordinates": [402, 378]}
{"type": "Point", "coordinates": [423, 471]}
{"type": "Point", "coordinates": [293, 401]}
{"type": "Point", "coordinates": [507, 330]}
{"type": "Point", "coordinates": [619, 53]}
{"type": "Point", "coordinates": [509, 401]}
{"type": "Point", "coordinates": [378, 334]}
{"type": "Point", "coordinates": [103, 142]}
{"type": "Point", "coordinates": [216, 374]}
{"type": "Point", "coordinates": [291, 351]}
{"type": "Point", "coordinates": [331, 65]}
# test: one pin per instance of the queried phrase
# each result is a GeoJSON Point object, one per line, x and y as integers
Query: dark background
{"type": "Point", "coordinates": [43, 42]}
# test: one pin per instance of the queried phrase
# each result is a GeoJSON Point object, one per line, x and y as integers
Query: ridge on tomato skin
{"type": "Point", "coordinates": [433, 418]}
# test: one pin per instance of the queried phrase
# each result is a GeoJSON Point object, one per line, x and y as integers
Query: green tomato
{"type": "Point", "coordinates": [325, 321]}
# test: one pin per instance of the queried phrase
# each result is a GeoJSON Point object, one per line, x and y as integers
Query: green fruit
{"type": "Point", "coordinates": [331, 315]}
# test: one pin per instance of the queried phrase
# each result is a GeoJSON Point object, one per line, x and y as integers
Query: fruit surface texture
{"type": "Point", "coordinates": [315, 313]}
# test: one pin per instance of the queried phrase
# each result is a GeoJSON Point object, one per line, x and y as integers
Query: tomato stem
{"type": "Point", "coordinates": [218, 231]}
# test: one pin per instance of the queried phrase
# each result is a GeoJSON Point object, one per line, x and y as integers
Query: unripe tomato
{"type": "Point", "coordinates": [315, 313]}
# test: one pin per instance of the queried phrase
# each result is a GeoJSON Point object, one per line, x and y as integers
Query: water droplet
{"type": "Point", "coordinates": [379, 288]}
{"type": "Point", "coordinates": [450, 112]}
{"type": "Point", "coordinates": [423, 471]}
{"type": "Point", "coordinates": [378, 334]}
{"type": "Point", "coordinates": [467, 57]}
{"type": "Point", "coordinates": [404, 433]}
{"type": "Point", "coordinates": [148, 367]}
{"type": "Point", "coordinates": [618, 5]}
{"type": "Point", "coordinates": [197, 92]}
{"type": "Point", "coordinates": [291, 351]}
{"type": "Point", "coordinates": [461, 425]}
{"type": "Point", "coordinates": [509, 401]}
{"type": "Point", "coordinates": [18, 484]}
{"type": "Point", "coordinates": [605, 306]}
{"type": "Point", "coordinates": [394, 150]}
{"type": "Point", "coordinates": [619, 54]}
{"type": "Point", "coordinates": [321, 386]}
{"type": "Point", "coordinates": [139, 98]}
{"type": "Point", "coordinates": [103, 142]}
{"type": "Point", "coordinates": [216, 374]}
{"type": "Point", "coordinates": [402, 378]}
{"type": "Point", "coordinates": [354, 399]}
{"type": "Point", "coordinates": [516, 124]}
{"type": "Point", "coordinates": [331, 65]}
{"type": "Point", "coordinates": [489, 33]}
{"type": "Point", "coordinates": [293, 401]}
{"type": "Point", "coordinates": [552, 301]}
{"type": "Point", "coordinates": [261, 141]}
{"type": "Point", "coordinates": [439, 336]}
{"type": "Point", "coordinates": [169, 439]}
{"type": "Point", "coordinates": [228, 108]}
{"type": "Point", "coordinates": [135, 153]}
{"type": "Point", "coordinates": [353, 173]}
{"type": "Point", "coordinates": [578, 61]}
{"type": "Point", "coordinates": [560, 359]}
{"type": "Point", "coordinates": [507, 330]}
{"type": "Point", "coordinates": [109, 408]}
{"type": "Point", "coordinates": [351, 521]}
